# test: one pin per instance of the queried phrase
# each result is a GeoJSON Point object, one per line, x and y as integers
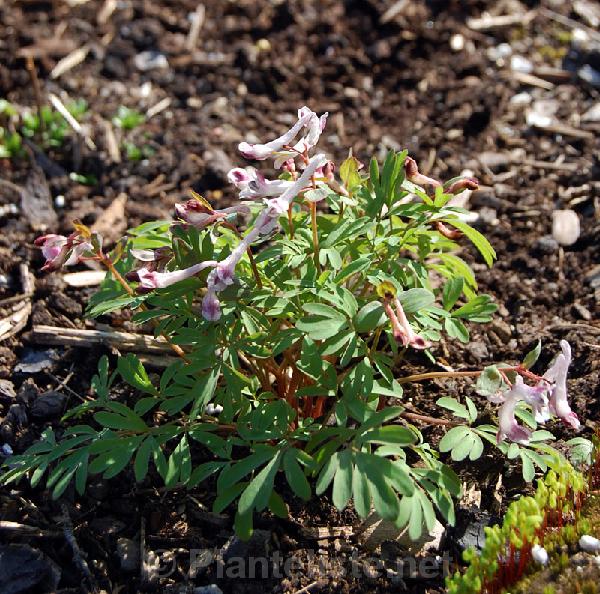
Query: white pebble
{"type": "Point", "coordinates": [6, 450]}
{"type": "Point", "coordinates": [213, 409]}
{"type": "Point", "coordinates": [59, 201]}
{"type": "Point", "coordinates": [520, 64]}
{"type": "Point", "coordinates": [457, 42]}
{"type": "Point", "coordinates": [539, 554]}
{"type": "Point", "coordinates": [589, 544]}
{"type": "Point", "coordinates": [521, 99]}
{"type": "Point", "coordinates": [565, 226]}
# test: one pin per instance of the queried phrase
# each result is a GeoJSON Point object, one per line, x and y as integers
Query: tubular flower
{"type": "Point", "coordinates": [557, 374]}
{"type": "Point", "coordinates": [260, 152]}
{"type": "Point", "coordinates": [62, 251]}
{"type": "Point", "coordinates": [280, 148]}
{"type": "Point", "coordinates": [460, 185]}
{"type": "Point", "coordinates": [253, 184]}
{"type": "Point", "coordinates": [412, 174]}
{"type": "Point", "coordinates": [401, 328]}
{"type": "Point", "coordinates": [507, 424]}
{"type": "Point", "coordinates": [200, 215]}
{"type": "Point", "coordinates": [211, 307]}
{"type": "Point", "coordinates": [150, 279]}
{"type": "Point", "coordinates": [153, 260]}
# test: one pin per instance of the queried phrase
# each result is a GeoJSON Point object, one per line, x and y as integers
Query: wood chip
{"type": "Point", "coordinates": [320, 532]}
{"type": "Point", "coordinates": [393, 11]}
{"type": "Point", "coordinates": [106, 11]}
{"type": "Point", "coordinates": [160, 106]}
{"type": "Point", "coordinates": [112, 223]}
{"type": "Point", "coordinates": [36, 201]}
{"type": "Point", "coordinates": [565, 130]}
{"type": "Point", "coordinates": [530, 79]}
{"type": "Point", "coordinates": [70, 61]}
{"type": "Point", "coordinates": [85, 278]}
{"type": "Point", "coordinates": [124, 341]}
{"type": "Point", "coordinates": [197, 20]}
{"type": "Point", "coordinates": [64, 112]}
{"type": "Point", "coordinates": [488, 22]}
{"type": "Point", "coordinates": [112, 146]}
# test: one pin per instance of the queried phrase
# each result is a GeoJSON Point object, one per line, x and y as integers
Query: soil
{"type": "Point", "coordinates": [388, 83]}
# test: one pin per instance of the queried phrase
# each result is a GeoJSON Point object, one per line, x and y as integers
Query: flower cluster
{"type": "Point", "coordinates": [548, 396]}
{"type": "Point", "coordinates": [62, 251]}
{"type": "Point", "coordinates": [277, 196]}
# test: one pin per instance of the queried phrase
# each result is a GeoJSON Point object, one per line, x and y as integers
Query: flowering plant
{"type": "Point", "coordinates": [290, 340]}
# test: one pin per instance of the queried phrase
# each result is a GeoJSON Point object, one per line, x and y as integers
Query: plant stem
{"type": "Point", "coordinates": [291, 221]}
{"type": "Point", "coordinates": [419, 377]}
{"type": "Point", "coordinates": [254, 269]}
{"type": "Point", "coordinates": [427, 419]}
{"type": "Point", "coordinates": [315, 236]}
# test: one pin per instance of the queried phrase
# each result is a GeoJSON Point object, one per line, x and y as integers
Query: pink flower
{"type": "Point", "coordinates": [557, 374]}
{"type": "Point", "coordinates": [460, 185]}
{"type": "Point", "coordinates": [277, 148]}
{"type": "Point", "coordinates": [62, 251]}
{"type": "Point", "coordinates": [401, 328]}
{"type": "Point", "coordinates": [211, 307]}
{"type": "Point", "coordinates": [413, 175]}
{"type": "Point", "coordinates": [200, 216]}
{"type": "Point", "coordinates": [260, 152]}
{"type": "Point", "coordinates": [253, 184]}
{"type": "Point", "coordinates": [151, 279]}
{"type": "Point", "coordinates": [507, 423]}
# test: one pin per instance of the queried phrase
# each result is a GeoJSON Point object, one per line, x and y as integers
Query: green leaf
{"type": "Point", "coordinates": [115, 421]}
{"type": "Point", "coordinates": [370, 316]}
{"type": "Point", "coordinates": [354, 267]}
{"type": "Point", "coordinates": [202, 472]}
{"type": "Point", "coordinates": [452, 291]}
{"type": "Point", "coordinates": [342, 481]}
{"type": "Point", "coordinates": [414, 300]}
{"type": "Point", "coordinates": [256, 495]}
{"type": "Point", "coordinates": [532, 356]}
{"type": "Point", "coordinates": [133, 372]}
{"type": "Point", "coordinates": [452, 404]}
{"type": "Point", "coordinates": [384, 499]}
{"type": "Point", "coordinates": [360, 493]}
{"type": "Point", "coordinates": [390, 434]}
{"type": "Point", "coordinates": [456, 329]}
{"type": "Point", "coordinates": [277, 505]}
{"type": "Point", "coordinates": [479, 241]}
{"type": "Point", "coordinates": [295, 476]}
{"type": "Point", "coordinates": [489, 382]}
{"type": "Point", "coordinates": [142, 458]}
{"type": "Point", "coordinates": [327, 473]}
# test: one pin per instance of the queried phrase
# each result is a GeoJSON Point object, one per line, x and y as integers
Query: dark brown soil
{"type": "Point", "coordinates": [387, 83]}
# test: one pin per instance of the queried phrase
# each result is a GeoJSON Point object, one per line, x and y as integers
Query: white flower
{"type": "Point", "coordinates": [557, 373]}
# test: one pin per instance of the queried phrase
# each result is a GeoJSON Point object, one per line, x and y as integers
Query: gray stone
{"type": "Point", "coordinates": [36, 361]}
{"type": "Point", "coordinates": [211, 589]}
{"type": "Point", "coordinates": [546, 245]}
{"type": "Point", "coordinates": [48, 405]}
{"type": "Point", "coordinates": [128, 552]}
{"type": "Point", "coordinates": [24, 569]}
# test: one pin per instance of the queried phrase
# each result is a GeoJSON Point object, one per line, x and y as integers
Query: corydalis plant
{"type": "Point", "coordinates": [291, 324]}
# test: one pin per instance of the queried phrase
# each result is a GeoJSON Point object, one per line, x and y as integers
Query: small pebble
{"type": "Point", "coordinates": [150, 60]}
{"type": "Point", "coordinates": [539, 554]}
{"type": "Point", "coordinates": [59, 201]}
{"type": "Point", "coordinates": [582, 312]}
{"type": "Point", "coordinates": [520, 64]}
{"type": "Point", "coordinates": [546, 245]}
{"type": "Point", "coordinates": [213, 409]}
{"type": "Point", "coordinates": [589, 544]}
{"type": "Point", "coordinates": [565, 226]}
{"type": "Point", "coordinates": [521, 99]}
{"type": "Point", "coordinates": [457, 42]}
{"type": "Point", "coordinates": [6, 450]}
